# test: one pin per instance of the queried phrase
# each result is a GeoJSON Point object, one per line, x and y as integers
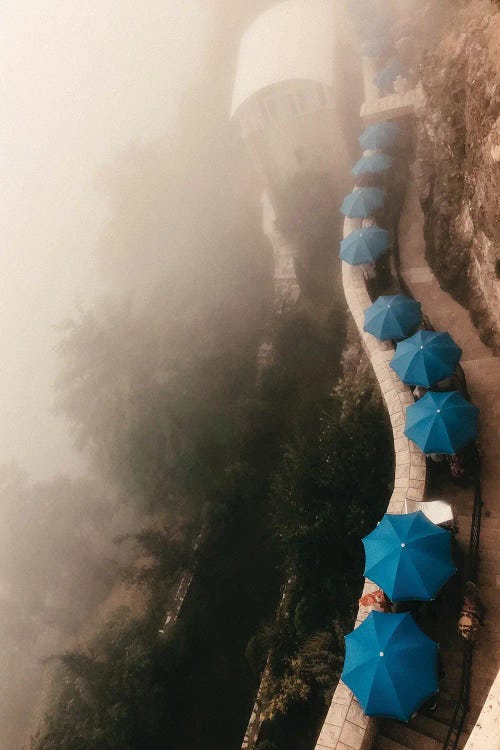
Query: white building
{"type": "Point", "coordinates": [287, 86]}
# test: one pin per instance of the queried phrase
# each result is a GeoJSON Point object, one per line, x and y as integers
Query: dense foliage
{"type": "Point", "coordinates": [329, 491]}
{"type": "Point", "coordinates": [119, 692]}
{"type": "Point", "coordinates": [238, 567]}
{"type": "Point", "coordinates": [160, 386]}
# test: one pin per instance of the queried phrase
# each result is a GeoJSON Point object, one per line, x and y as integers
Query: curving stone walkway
{"type": "Point", "coordinates": [346, 727]}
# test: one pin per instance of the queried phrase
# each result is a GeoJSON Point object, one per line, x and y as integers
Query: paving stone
{"type": "Point", "coordinates": [417, 483]}
{"type": "Point", "coordinates": [398, 431]}
{"type": "Point", "coordinates": [397, 419]}
{"type": "Point", "coordinates": [400, 444]}
{"type": "Point", "coordinates": [415, 494]}
{"type": "Point", "coordinates": [329, 735]}
{"type": "Point", "coordinates": [342, 695]}
{"type": "Point", "coordinates": [418, 472]}
{"type": "Point", "coordinates": [402, 482]}
{"type": "Point", "coordinates": [338, 712]}
{"type": "Point", "coordinates": [352, 735]}
{"type": "Point", "coordinates": [356, 715]}
{"type": "Point", "coordinates": [403, 470]}
{"type": "Point", "coordinates": [403, 456]}
{"type": "Point", "coordinates": [396, 506]}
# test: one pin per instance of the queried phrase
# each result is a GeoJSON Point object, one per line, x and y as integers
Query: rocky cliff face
{"type": "Point", "coordinates": [458, 159]}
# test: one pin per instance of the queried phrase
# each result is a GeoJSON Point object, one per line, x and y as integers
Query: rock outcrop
{"type": "Point", "coordinates": [458, 158]}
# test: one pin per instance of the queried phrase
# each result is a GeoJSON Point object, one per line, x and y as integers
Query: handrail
{"type": "Point", "coordinates": [462, 705]}
{"type": "Point", "coordinates": [457, 720]}
{"type": "Point", "coordinates": [475, 533]}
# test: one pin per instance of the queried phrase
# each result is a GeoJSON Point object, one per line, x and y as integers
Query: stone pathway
{"type": "Point", "coordinates": [482, 371]}
{"type": "Point", "coordinates": [346, 727]}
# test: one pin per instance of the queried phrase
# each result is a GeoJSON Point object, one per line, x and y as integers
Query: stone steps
{"type": "Point", "coordinates": [436, 729]}
{"type": "Point", "coordinates": [444, 713]}
{"type": "Point", "coordinates": [422, 733]}
{"type": "Point", "coordinates": [384, 743]}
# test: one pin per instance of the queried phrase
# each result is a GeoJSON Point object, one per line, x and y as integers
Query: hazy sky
{"type": "Point", "coordinates": [78, 81]}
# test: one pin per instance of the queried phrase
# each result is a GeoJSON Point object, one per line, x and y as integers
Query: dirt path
{"type": "Point", "coordinates": [482, 370]}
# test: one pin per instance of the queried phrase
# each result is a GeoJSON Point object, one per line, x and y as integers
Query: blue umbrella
{"type": "Point", "coordinates": [362, 202]}
{"type": "Point", "coordinates": [380, 135]}
{"type": "Point", "coordinates": [364, 245]}
{"type": "Point", "coordinates": [372, 164]}
{"type": "Point", "coordinates": [441, 422]}
{"type": "Point", "coordinates": [392, 317]}
{"type": "Point", "coordinates": [384, 80]}
{"type": "Point", "coordinates": [425, 358]}
{"type": "Point", "coordinates": [390, 665]}
{"type": "Point", "coordinates": [408, 556]}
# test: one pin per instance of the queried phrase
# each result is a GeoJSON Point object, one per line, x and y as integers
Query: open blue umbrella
{"type": "Point", "coordinates": [384, 80]}
{"type": "Point", "coordinates": [441, 422]}
{"type": "Point", "coordinates": [362, 202]}
{"type": "Point", "coordinates": [372, 164]}
{"type": "Point", "coordinates": [364, 245]}
{"type": "Point", "coordinates": [425, 358]}
{"type": "Point", "coordinates": [390, 665]}
{"type": "Point", "coordinates": [408, 556]}
{"type": "Point", "coordinates": [381, 135]}
{"type": "Point", "coordinates": [392, 317]}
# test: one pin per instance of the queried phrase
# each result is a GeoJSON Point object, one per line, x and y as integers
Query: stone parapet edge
{"type": "Point", "coordinates": [346, 727]}
{"type": "Point", "coordinates": [394, 105]}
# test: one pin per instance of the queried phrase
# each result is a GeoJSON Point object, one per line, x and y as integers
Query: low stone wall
{"type": "Point", "coordinates": [346, 727]}
{"type": "Point", "coordinates": [393, 105]}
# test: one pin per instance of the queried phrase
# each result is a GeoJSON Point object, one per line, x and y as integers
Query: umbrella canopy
{"type": "Point", "coordinates": [372, 164]}
{"type": "Point", "coordinates": [425, 358]}
{"type": "Point", "coordinates": [362, 202]}
{"type": "Point", "coordinates": [441, 422]}
{"type": "Point", "coordinates": [364, 245]}
{"type": "Point", "coordinates": [409, 557]}
{"type": "Point", "coordinates": [390, 665]}
{"type": "Point", "coordinates": [381, 135]}
{"type": "Point", "coordinates": [384, 80]}
{"type": "Point", "coordinates": [392, 317]}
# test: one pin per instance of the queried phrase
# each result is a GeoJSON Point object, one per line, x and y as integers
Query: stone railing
{"type": "Point", "coordinates": [346, 727]}
{"type": "Point", "coordinates": [393, 105]}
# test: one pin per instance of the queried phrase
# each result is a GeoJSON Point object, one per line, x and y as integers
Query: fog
{"type": "Point", "coordinates": [80, 81]}
{"type": "Point", "coordinates": [135, 287]}
{"type": "Point", "coordinates": [85, 89]}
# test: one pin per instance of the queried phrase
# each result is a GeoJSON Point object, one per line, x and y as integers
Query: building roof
{"type": "Point", "coordinates": [291, 41]}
